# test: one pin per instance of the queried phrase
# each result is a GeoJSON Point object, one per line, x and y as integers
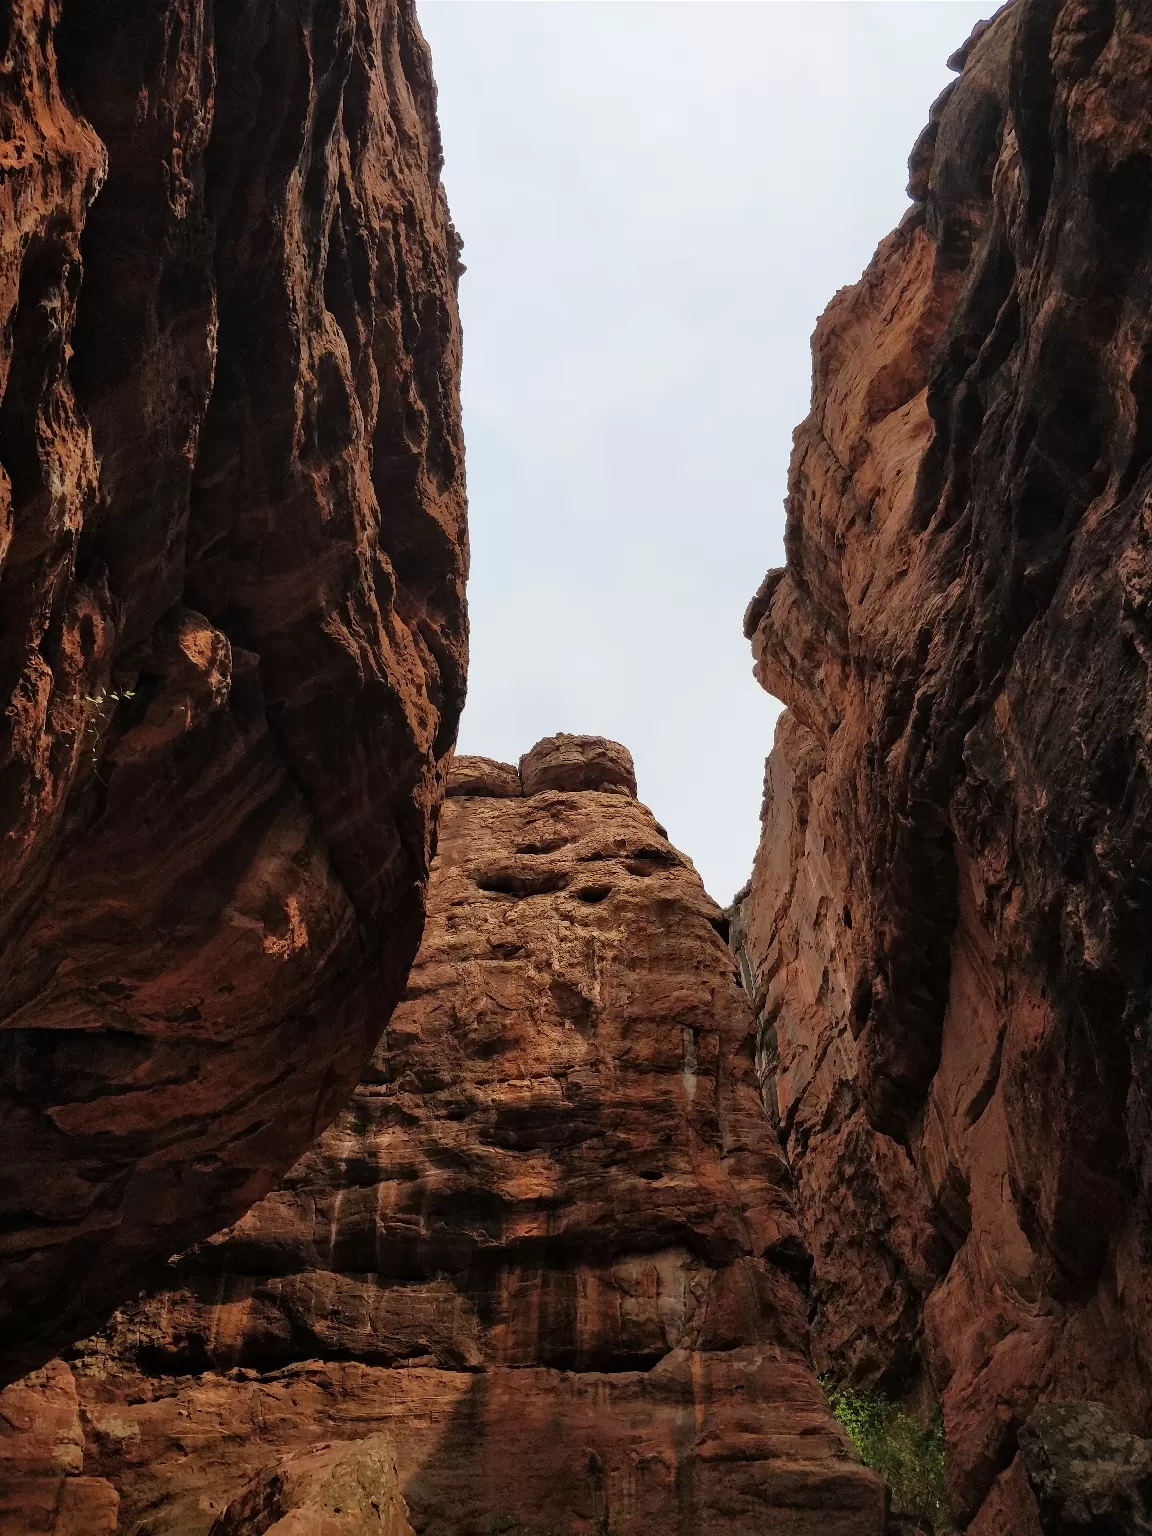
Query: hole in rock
{"type": "Point", "coordinates": [544, 845]}
{"type": "Point", "coordinates": [593, 893]}
{"type": "Point", "coordinates": [510, 882]}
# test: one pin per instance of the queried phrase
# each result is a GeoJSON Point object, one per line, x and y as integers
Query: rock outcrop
{"type": "Point", "coordinates": [550, 1247]}
{"type": "Point", "coordinates": [1090, 1476]}
{"type": "Point", "coordinates": [43, 1485]}
{"type": "Point", "coordinates": [347, 1489]}
{"type": "Point", "coordinates": [232, 552]}
{"type": "Point", "coordinates": [946, 933]}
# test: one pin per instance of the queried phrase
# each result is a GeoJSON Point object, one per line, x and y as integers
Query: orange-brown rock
{"type": "Point", "coordinates": [347, 1489]}
{"type": "Point", "coordinates": [232, 635]}
{"type": "Point", "coordinates": [549, 1249]}
{"type": "Point", "coordinates": [946, 931]}
{"type": "Point", "coordinates": [577, 762]}
{"type": "Point", "coordinates": [43, 1487]}
{"type": "Point", "coordinates": [483, 776]}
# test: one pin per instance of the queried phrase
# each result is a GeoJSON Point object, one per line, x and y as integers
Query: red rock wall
{"type": "Point", "coordinates": [946, 931]}
{"type": "Point", "coordinates": [232, 633]}
{"type": "Point", "coordinates": [549, 1249]}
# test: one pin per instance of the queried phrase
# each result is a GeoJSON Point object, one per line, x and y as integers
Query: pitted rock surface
{"type": "Point", "coordinates": [946, 932]}
{"type": "Point", "coordinates": [549, 1248]}
{"type": "Point", "coordinates": [232, 636]}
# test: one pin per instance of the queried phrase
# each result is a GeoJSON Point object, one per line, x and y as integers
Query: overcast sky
{"type": "Point", "coordinates": [657, 198]}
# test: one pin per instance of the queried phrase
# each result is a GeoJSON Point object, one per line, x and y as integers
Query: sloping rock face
{"type": "Point", "coordinates": [1089, 1475]}
{"type": "Point", "coordinates": [945, 935]}
{"type": "Point", "coordinates": [349, 1489]}
{"type": "Point", "coordinates": [549, 1248]}
{"type": "Point", "coordinates": [232, 643]}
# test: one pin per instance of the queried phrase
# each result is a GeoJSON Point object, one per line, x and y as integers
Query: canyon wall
{"type": "Point", "coordinates": [549, 1250]}
{"type": "Point", "coordinates": [232, 633]}
{"type": "Point", "coordinates": [946, 934]}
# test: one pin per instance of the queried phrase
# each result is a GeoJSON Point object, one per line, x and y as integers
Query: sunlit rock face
{"type": "Point", "coordinates": [232, 633]}
{"type": "Point", "coordinates": [549, 1249]}
{"type": "Point", "coordinates": [946, 935]}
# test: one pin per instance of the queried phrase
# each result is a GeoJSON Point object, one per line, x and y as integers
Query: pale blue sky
{"type": "Point", "coordinates": [657, 198]}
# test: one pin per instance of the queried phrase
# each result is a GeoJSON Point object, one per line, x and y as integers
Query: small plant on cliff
{"type": "Point", "coordinates": [98, 710]}
{"type": "Point", "coordinates": [908, 1455]}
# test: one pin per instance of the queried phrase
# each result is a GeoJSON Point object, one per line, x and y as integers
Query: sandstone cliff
{"type": "Point", "coordinates": [232, 636]}
{"type": "Point", "coordinates": [946, 932]}
{"type": "Point", "coordinates": [549, 1248]}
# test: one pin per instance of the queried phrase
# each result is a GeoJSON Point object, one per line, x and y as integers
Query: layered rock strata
{"type": "Point", "coordinates": [946, 932]}
{"type": "Point", "coordinates": [232, 640]}
{"type": "Point", "coordinates": [549, 1248]}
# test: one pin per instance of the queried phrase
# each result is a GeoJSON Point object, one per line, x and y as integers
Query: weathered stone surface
{"type": "Point", "coordinates": [1089, 1475]}
{"type": "Point", "coordinates": [577, 762]}
{"type": "Point", "coordinates": [549, 1248]}
{"type": "Point", "coordinates": [347, 1489]}
{"type": "Point", "coordinates": [483, 776]}
{"type": "Point", "coordinates": [42, 1482]}
{"type": "Point", "coordinates": [232, 638]}
{"type": "Point", "coordinates": [946, 935]}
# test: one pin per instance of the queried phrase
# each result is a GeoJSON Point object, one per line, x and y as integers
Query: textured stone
{"type": "Point", "coordinates": [232, 642]}
{"type": "Point", "coordinates": [577, 762]}
{"type": "Point", "coordinates": [549, 1247]}
{"type": "Point", "coordinates": [347, 1489]}
{"type": "Point", "coordinates": [42, 1482]}
{"type": "Point", "coordinates": [483, 776]}
{"type": "Point", "coordinates": [1090, 1476]}
{"type": "Point", "coordinates": [946, 933]}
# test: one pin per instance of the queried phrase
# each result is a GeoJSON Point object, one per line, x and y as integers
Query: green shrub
{"type": "Point", "coordinates": [908, 1455]}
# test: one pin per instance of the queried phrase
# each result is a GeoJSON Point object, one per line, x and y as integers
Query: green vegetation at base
{"type": "Point", "coordinates": [908, 1455]}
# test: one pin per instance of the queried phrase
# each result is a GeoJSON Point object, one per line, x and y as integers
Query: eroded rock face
{"type": "Point", "coordinates": [945, 935]}
{"type": "Point", "coordinates": [549, 1248]}
{"type": "Point", "coordinates": [232, 641]}
{"type": "Point", "coordinates": [43, 1485]}
{"type": "Point", "coordinates": [347, 1489]}
{"type": "Point", "coordinates": [577, 762]}
{"type": "Point", "coordinates": [1090, 1476]}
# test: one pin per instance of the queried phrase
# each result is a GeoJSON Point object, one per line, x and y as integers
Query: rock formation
{"type": "Point", "coordinates": [1089, 1475]}
{"type": "Point", "coordinates": [232, 640]}
{"type": "Point", "coordinates": [549, 1249]}
{"type": "Point", "coordinates": [346, 1489]}
{"type": "Point", "coordinates": [946, 932]}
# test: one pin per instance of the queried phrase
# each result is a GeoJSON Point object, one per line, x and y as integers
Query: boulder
{"type": "Point", "coordinates": [483, 776]}
{"type": "Point", "coordinates": [578, 762]}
